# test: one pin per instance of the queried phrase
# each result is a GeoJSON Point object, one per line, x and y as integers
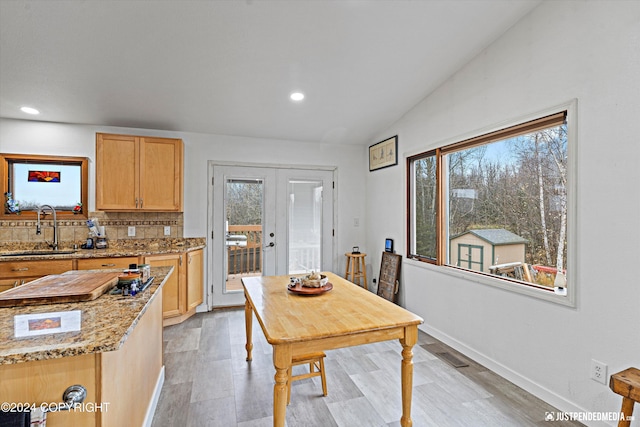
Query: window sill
{"type": "Point", "coordinates": [566, 299]}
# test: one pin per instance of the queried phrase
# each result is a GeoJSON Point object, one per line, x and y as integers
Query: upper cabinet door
{"type": "Point", "coordinates": [116, 172]}
{"type": "Point", "coordinates": [138, 173]}
{"type": "Point", "coordinates": [160, 174]}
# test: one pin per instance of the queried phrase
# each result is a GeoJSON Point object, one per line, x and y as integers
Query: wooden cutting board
{"type": "Point", "coordinates": [58, 288]}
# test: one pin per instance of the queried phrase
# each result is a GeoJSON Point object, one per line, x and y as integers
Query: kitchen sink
{"type": "Point", "coordinates": [36, 253]}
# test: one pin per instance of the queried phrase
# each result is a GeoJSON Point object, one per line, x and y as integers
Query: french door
{"type": "Point", "coordinates": [267, 221]}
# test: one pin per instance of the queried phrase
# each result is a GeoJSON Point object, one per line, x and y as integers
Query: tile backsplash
{"type": "Point", "coordinates": [149, 225]}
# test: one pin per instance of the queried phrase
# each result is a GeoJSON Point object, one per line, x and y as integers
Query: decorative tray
{"type": "Point", "coordinates": [297, 288]}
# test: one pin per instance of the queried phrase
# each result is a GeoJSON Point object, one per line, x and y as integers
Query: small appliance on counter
{"type": "Point", "coordinates": [97, 235]}
{"type": "Point", "coordinates": [89, 244]}
{"type": "Point", "coordinates": [101, 243]}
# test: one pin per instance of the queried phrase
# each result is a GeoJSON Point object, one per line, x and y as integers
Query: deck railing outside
{"type": "Point", "coordinates": [244, 256]}
{"type": "Point", "coordinates": [244, 252]}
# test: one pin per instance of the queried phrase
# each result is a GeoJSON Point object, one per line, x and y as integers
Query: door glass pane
{"type": "Point", "coordinates": [244, 210]}
{"type": "Point", "coordinates": [305, 226]}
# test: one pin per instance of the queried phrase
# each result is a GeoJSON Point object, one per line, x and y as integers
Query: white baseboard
{"type": "Point", "coordinates": [527, 384]}
{"type": "Point", "coordinates": [151, 409]}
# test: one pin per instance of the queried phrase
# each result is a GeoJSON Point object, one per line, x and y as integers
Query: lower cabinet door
{"type": "Point", "coordinates": [172, 300]}
{"type": "Point", "coordinates": [6, 284]}
{"type": "Point", "coordinates": [195, 276]}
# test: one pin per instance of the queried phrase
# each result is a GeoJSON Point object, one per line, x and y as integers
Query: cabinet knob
{"type": "Point", "coordinates": [108, 265]}
{"type": "Point", "coordinates": [21, 269]}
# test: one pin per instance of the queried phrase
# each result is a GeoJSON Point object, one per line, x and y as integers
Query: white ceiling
{"type": "Point", "coordinates": [228, 67]}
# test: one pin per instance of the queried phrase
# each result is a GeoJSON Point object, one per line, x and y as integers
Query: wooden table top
{"type": "Point", "coordinates": [347, 309]}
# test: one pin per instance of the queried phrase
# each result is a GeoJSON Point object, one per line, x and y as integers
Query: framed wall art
{"type": "Point", "coordinates": [383, 154]}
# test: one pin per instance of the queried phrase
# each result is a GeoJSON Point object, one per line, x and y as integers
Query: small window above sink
{"type": "Point", "coordinates": [34, 180]}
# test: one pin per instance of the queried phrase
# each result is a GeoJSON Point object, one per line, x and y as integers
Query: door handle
{"type": "Point", "coordinates": [270, 245]}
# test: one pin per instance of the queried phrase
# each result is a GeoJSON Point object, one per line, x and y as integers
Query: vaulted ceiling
{"type": "Point", "coordinates": [229, 66]}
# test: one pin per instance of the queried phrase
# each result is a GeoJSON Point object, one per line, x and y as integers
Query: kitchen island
{"type": "Point", "coordinates": [116, 355]}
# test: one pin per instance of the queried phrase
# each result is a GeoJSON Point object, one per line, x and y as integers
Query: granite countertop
{"type": "Point", "coordinates": [106, 322]}
{"type": "Point", "coordinates": [117, 248]}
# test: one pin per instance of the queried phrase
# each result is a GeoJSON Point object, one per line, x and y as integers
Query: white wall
{"type": "Point", "coordinates": [32, 137]}
{"type": "Point", "coordinates": [562, 50]}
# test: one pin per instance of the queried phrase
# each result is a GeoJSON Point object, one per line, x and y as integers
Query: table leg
{"type": "Point", "coordinates": [248, 324]}
{"type": "Point", "coordinates": [282, 363]}
{"type": "Point", "coordinates": [409, 340]}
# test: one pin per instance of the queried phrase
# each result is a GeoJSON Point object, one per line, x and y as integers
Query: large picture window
{"type": "Point", "coordinates": [496, 204]}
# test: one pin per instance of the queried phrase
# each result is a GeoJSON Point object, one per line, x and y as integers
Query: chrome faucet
{"type": "Point", "coordinates": [53, 245]}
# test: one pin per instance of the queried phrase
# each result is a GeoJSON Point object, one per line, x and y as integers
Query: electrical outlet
{"type": "Point", "coordinates": [131, 231]}
{"type": "Point", "coordinates": [167, 230]}
{"type": "Point", "coordinates": [356, 222]}
{"type": "Point", "coordinates": [598, 371]}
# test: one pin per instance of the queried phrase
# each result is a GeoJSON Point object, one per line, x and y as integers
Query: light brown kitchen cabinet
{"type": "Point", "coordinates": [195, 279]}
{"type": "Point", "coordinates": [173, 292]}
{"type": "Point", "coordinates": [106, 263]}
{"type": "Point", "coordinates": [138, 173]}
{"type": "Point", "coordinates": [6, 284]}
{"type": "Point", "coordinates": [16, 273]}
{"type": "Point", "coordinates": [183, 291]}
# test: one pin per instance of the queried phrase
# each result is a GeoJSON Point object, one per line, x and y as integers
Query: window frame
{"type": "Point", "coordinates": [476, 138]}
{"type": "Point", "coordinates": [7, 160]}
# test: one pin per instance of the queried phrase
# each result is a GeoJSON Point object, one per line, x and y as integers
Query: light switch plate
{"type": "Point", "coordinates": [167, 230]}
{"type": "Point", "coordinates": [131, 231]}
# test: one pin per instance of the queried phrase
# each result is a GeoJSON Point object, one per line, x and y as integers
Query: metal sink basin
{"type": "Point", "coordinates": [37, 253]}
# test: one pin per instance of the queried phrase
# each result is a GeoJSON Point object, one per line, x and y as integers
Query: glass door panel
{"type": "Point", "coordinates": [244, 201]}
{"type": "Point", "coordinates": [305, 214]}
{"type": "Point", "coordinates": [243, 216]}
{"type": "Point", "coordinates": [305, 226]}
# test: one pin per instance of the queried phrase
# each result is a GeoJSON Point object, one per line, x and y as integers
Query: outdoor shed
{"type": "Point", "coordinates": [480, 249]}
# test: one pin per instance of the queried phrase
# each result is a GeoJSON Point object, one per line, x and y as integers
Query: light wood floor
{"type": "Point", "coordinates": [208, 383]}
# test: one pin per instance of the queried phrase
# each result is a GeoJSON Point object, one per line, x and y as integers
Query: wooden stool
{"type": "Point", "coordinates": [356, 269]}
{"type": "Point", "coordinates": [316, 369]}
{"type": "Point", "coordinates": [627, 384]}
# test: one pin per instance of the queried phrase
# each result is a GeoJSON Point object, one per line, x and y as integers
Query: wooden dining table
{"type": "Point", "coordinates": [347, 315]}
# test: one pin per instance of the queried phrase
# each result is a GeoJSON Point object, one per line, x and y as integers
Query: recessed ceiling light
{"type": "Point", "coordinates": [29, 110]}
{"type": "Point", "coordinates": [297, 96]}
